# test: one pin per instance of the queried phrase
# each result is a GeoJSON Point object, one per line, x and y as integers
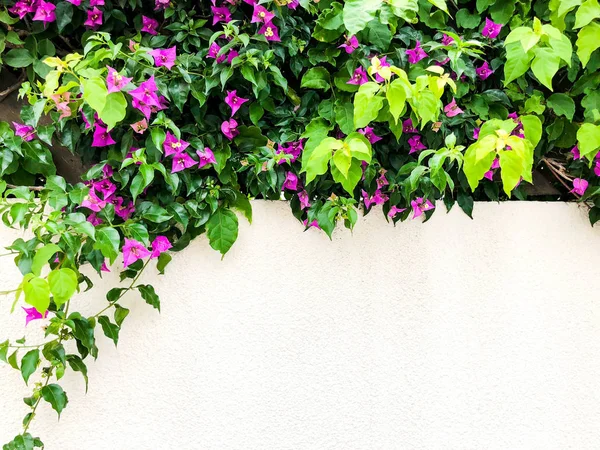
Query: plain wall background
{"type": "Point", "coordinates": [453, 334]}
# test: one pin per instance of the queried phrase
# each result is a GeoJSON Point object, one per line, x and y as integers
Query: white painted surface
{"type": "Point", "coordinates": [454, 334]}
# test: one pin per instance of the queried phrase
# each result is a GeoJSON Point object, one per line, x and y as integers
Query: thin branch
{"type": "Point", "coordinates": [6, 92]}
{"type": "Point", "coordinates": [31, 188]}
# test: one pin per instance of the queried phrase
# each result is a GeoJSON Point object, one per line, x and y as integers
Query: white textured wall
{"type": "Point", "coordinates": [454, 334]}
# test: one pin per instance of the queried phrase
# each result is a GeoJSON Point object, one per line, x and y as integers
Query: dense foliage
{"type": "Point", "coordinates": [183, 111]}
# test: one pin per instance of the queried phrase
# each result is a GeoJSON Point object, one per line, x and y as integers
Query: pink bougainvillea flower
{"type": "Point", "coordinates": [94, 219]}
{"type": "Point", "coordinates": [370, 135]}
{"type": "Point", "coordinates": [234, 102]}
{"type": "Point", "coordinates": [105, 187]}
{"type": "Point", "coordinates": [382, 63]}
{"type": "Point", "coordinates": [261, 14]}
{"type": "Point", "coordinates": [490, 173]}
{"type": "Point", "coordinates": [291, 181]}
{"type": "Point", "coordinates": [415, 144]}
{"type": "Point", "coordinates": [378, 198]}
{"type": "Point", "coordinates": [94, 18]}
{"type": "Point", "coordinates": [160, 244]}
{"type": "Point", "coordinates": [416, 54]}
{"type": "Point", "coordinates": [229, 129]}
{"type": "Point", "coordinates": [164, 56]}
{"type": "Point", "coordinates": [96, 2]}
{"type": "Point", "coordinates": [146, 92]}
{"type": "Point", "coordinates": [25, 132]}
{"type": "Point", "coordinates": [140, 127]}
{"type": "Point", "coordinates": [394, 210]}
{"type": "Point", "coordinates": [231, 55]}
{"type": "Point", "coordinates": [407, 127]}
{"type": "Point", "coordinates": [491, 30]}
{"type": "Point", "coordinates": [102, 137]}
{"type": "Point", "coordinates": [20, 9]}
{"type": "Point", "coordinates": [382, 180]}
{"type": "Point", "coordinates": [107, 171]}
{"type": "Point", "coordinates": [213, 53]}
{"type": "Point", "coordinates": [104, 267]}
{"type": "Point", "coordinates": [293, 4]}
{"type": "Point", "coordinates": [484, 71]}
{"type": "Point", "coordinates": [124, 211]}
{"type": "Point", "coordinates": [313, 224]}
{"type": "Point", "coordinates": [149, 25]}
{"type": "Point", "coordinates": [359, 77]}
{"type": "Point", "coordinates": [574, 151]}
{"type": "Point", "coordinates": [447, 40]}
{"type": "Point", "coordinates": [350, 45]}
{"type": "Point", "coordinates": [115, 81]}
{"type": "Point", "coordinates": [87, 123]}
{"type": "Point", "coordinates": [206, 157]}
{"type": "Point", "coordinates": [93, 202]}
{"type": "Point", "coordinates": [133, 251]}
{"type": "Point", "coordinates": [75, 2]}
{"type": "Point", "coordinates": [420, 205]}
{"type": "Point", "coordinates": [452, 109]}
{"type": "Point", "coordinates": [220, 14]}
{"type": "Point", "coordinates": [161, 4]}
{"type": "Point", "coordinates": [294, 149]}
{"type": "Point", "coordinates": [579, 186]}
{"type": "Point", "coordinates": [44, 12]}
{"type": "Point", "coordinates": [172, 145]}
{"type": "Point", "coordinates": [270, 31]}
{"type": "Point", "coordinates": [304, 200]}
{"type": "Point", "coordinates": [476, 131]}
{"type": "Point", "coordinates": [142, 106]}
{"type": "Point", "coordinates": [33, 314]}
{"type": "Point", "coordinates": [182, 161]}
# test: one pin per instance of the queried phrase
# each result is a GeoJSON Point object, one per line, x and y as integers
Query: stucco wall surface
{"type": "Point", "coordinates": [454, 334]}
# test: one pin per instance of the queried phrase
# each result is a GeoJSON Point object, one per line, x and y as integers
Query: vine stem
{"type": "Point", "coordinates": [31, 188]}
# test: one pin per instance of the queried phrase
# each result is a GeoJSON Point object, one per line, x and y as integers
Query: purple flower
{"type": "Point", "coordinates": [476, 131]}
{"type": "Point", "coordinates": [93, 202]}
{"type": "Point", "coordinates": [304, 200]}
{"type": "Point", "coordinates": [314, 224]}
{"type": "Point", "coordinates": [182, 161]}
{"type": "Point", "coordinates": [359, 77]}
{"type": "Point", "coordinates": [370, 135]}
{"type": "Point", "coordinates": [395, 210]}
{"type": "Point", "coordinates": [416, 54]}
{"type": "Point", "coordinates": [382, 63]}
{"type": "Point", "coordinates": [270, 31]}
{"type": "Point", "coordinates": [350, 45]}
{"type": "Point", "coordinates": [221, 14]}
{"type": "Point", "coordinates": [33, 314]}
{"type": "Point", "coordinates": [293, 4]}
{"type": "Point", "coordinates": [94, 18]}
{"type": "Point", "coordinates": [229, 129]}
{"type": "Point", "coordinates": [447, 40]}
{"type": "Point", "coordinates": [291, 182]}
{"type": "Point", "coordinates": [484, 71]}
{"type": "Point", "coordinates": [490, 173]}
{"type": "Point", "coordinates": [579, 186]}
{"type": "Point", "coordinates": [382, 180]}
{"type": "Point", "coordinates": [234, 101]}
{"type": "Point", "coordinates": [122, 210]}
{"type": "Point", "coordinates": [104, 187]}
{"type": "Point", "coordinates": [378, 198]}
{"type": "Point", "coordinates": [25, 132]}
{"type": "Point", "coordinates": [173, 146]}
{"type": "Point", "coordinates": [149, 25]}
{"type": "Point", "coordinates": [261, 14]}
{"type": "Point", "coordinates": [132, 251]}
{"type": "Point", "coordinates": [452, 109]}
{"type": "Point", "coordinates": [140, 127]}
{"type": "Point", "coordinates": [75, 2]}
{"type": "Point", "coordinates": [161, 4]}
{"type": "Point", "coordinates": [574, 151]}
{"type": "Point", "coordinates": [206, 157]}
{"type": "Point", "coordinates": [164, 57]}
{"type": "Point", "coordinates": [420, 205]}
{"type": "Point", "coordinates": [415, 144]}
{"type": "Point", "coordinates": [407, 127]}
{"type": "Point", "coordinates": [44, 12]}
{"type": "Point", "coordinates": [21, 9]}
{"type": "Point", "coordinates": [104, 267]}
{"type": "Point", "coordinates": [102, 137]}
{"type": "Point", "coordinates": [294, 149]}
{"type": "Point", "coordinates": [144, 96]}
{"type": "Point", "coordinates": [213, 53]}
{"type": "Point", "coordinates": [107, 171]}
{"type": "Point", "coordinates": [93, 219]}
{"type": "Point", "coordinates": [491, 29]}
{"type": "Point", "coordinates": [114, 81]}
{"type": "Point", "coordinates": [160, 244]}
{"type": "Point", "coordinates": [96, 2]}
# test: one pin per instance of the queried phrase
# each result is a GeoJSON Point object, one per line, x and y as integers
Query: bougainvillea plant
{"type": "Point", "coordinates": [184, 111]}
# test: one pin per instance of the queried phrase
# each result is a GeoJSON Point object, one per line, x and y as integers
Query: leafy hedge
{"type": "Point", "coordinates": [186, 110]}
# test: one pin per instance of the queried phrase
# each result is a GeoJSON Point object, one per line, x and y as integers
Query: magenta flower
{"type": "Point", "coordinates": [96, 2]}
{"type": "Point", "coordinates": [104, 267]}
{"type": "Point", "coordinates": [107, 171]}
{"type": "Point", "coordinates": [104, 187]}
{"type": "Point", "coordinates": [382, 180]}
{"type": "Point", "coordinates": [33, 314]}
{"type": "Point", "coordinates": [160, 244]}
{"type": "Point", "coordinates": [132, 251]}
{"type": "Point", "coordinates": [94, 219]}
{"type": "Point", "coordinates": [359, 77]}
{"type": "Point", "coordinates": [407, 127]}
{"type": "Point", "coordinates": [164, 56]}
{"type": "Point", "coordinates": [124, 211]}
{"type": "Point", "coordinates": [314, 224]}
{"type": "Point", "coordinates": [452, 109]}
{"type": "Point", "coordinates": [172, 145]}
{"type": "Point", "coordinates": [213, 53]}
{"type": "Point", "coordinates": [350, 45]}
{"type": "Point", "coordinates": [294, 149]}
{"type": "Point", "coordinates": [75, 2]}
{"type": "Point", "coordinates": [476, 131]}
{"type": "Point", "coordinates": [102, 137]}
{"type": "Point", "coordinates": [87, 123]}
{"type": "Point", "coordinates": [378, 198]}
{"type": "Point", "coordinates": [484, 71]}
{"type": "Point", "coordinates": [291, 181]}
{"type": "Point", "coordinates": [149, 25]}
{"type": "Point", "coordinates": [370, 135]}
{"type": "Point", "coordinates": [44, 12]}
{"type": "Point", "coordinates": [304, 200]}
{"type": "Point", "coordinates": [20, 9]}
{"type": "Point", "coordinates": [382, 63]}
{"type": "Point", "coordinates": [114, 81]}
{"type": "Point", "coordinates": [182, 161]}
{"type": "Point", "coordinates": [140, 127]}
{"type": "Point", "coordinates": [420, 205]}
{"type": "Point", "coordinates": [94, 18]}
{"type": "Point", "coordinates": [574, 151]}
{"type": "Point", "coordinates": [161, 4]}
{"type": "Point", "coordinates": [416, 54]}
{"type": "Point", "coordinates": [293, 4]}
{"type": "Point", "coordinates": [490, 173]}
{"type": "Point", "coordinates": [394, 210]}
{"type": "Point", "coordinates": [579, 186]}
{"type": "Point", "coordinates": [234, 101]}
{"type": "Point", "coordinates": [144, 96]}
{"type": "Point", "coordinates": [261, 14]}
{"type": "Point", "coordinates": [25, 132]}
{"type": "Point", "coordinates": [447, 40]}
{"type": "Point", "coordinates": [270, 31]}
{"type": "Point", "coordinates": [231, 55]}
{"type": "Point", "coordinates": [415, 144]}
{"type": "Point", "coordinates": [206, 157]}
{"type": "Point", "coordinates": [491, 29]}
{"type": "Point", "coordinates": [93, 202]}
{"type": "Point", "coordinates": [221, 14]}
{"type": "Point", "coordinates": [229, 129]}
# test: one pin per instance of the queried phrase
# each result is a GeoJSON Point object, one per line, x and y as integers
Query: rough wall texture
{"type": "Point", "coordinates": [454, 334]}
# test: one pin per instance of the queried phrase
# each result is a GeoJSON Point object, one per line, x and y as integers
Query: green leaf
{"type": "Point", "coordinates": [475, 167]}
{"type": "Point", "coordinates": [358, 13]}
{"type": "Point", "coordinates": [588, 40]}
{"type": "Point", "coordinates": [110, 330]}
{"type": "Point", "coordinates": [158, 136]}
{"type": "Point", "coordinates": [242, 204]}
{"type": "Point", "coordinates": [315, 162]}
{"type": "Point", "coordinates": [405, 9]}
{"type": "Point", "coordinates": [344, 117]}
{"type": "Point", "coordinates": [4, 350]}
{"type": "Point", "coordinates": [511, 168]}
{"type": "Point", "coordinates": [396, 97]}
{"type": "Point", "coordinates": [157, 214]}
{"type": "Point", "coordinates": [18, 57]}
{"type": "Point", "coordinates": [42, 255]}
{"type": "Point", "coordinates": [29, 364]}
{"type": "Point", "coordinates": [37, 294]}
{"type": "Point", "coordinates": [114, 110]}
{"type": "Point", "coordinates": [525, 35]}
{"type": "Point", "coordinates": [350, 181]}
{"type": "Point", "coordinates": [120, 312]}
{"type": "Point", "coordinates": [379, 35]}
{"type": "Point", "coordinates": [360, 147]}
{"type": "Point", "coordinates": [441, 4]}
{"type": "Point", "coordinates": [588, 11]}
{"type": "Point", "coordinates": [78, 365]}
{"type": "Point", "coordinates": [533, 129]}
{"type": "Point", "coordinates": [179, 91]}
{"type": "Point", "coordinates": [95, 93]}
{"type": "Point", "coordinates": [517, 62]}
{"type": "Point", "coordinates": [107, 241]}
{"type": "Point", "coordinates": [256, 112]}
{"type": "Point", "coordinates": [64, 15]}
{"type": "Point", "coordinates": [342, 159]}
{"type": "Point", "coordinates": [149, 295]}
{"type": "Point", "coordinates": [316, 78]}
{"type": "Point", "coordinates": [367, 104]}
{"type": "Point", "coordinates": [144, 177]}
{"type": "Point", "coordinates": [222, 229]}
{"type": "Point", "coordinates": [588, 140]}
{"type": "Point", "coordinates": [163, 259]}
{"type": "Point", "coordinates": [562, 104]}
{"type": "Point", "coordinates": [55, 395]}
{"type": "Point", "coordinates": [465, 19]}
{"type": "Point", "coordinates": [63, 284]}
{"type": "Point", "coordinates": [563, 48]}
{"type": "Point", "coordinates": [545, 65]}
{"type": "Point", "coordinates": [465, 201]}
